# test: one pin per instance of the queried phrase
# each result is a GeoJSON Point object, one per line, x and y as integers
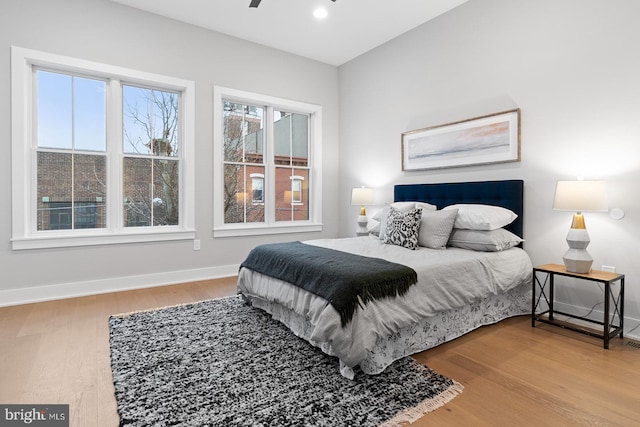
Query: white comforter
{"type": "Point", "coordinates": [447, 279]}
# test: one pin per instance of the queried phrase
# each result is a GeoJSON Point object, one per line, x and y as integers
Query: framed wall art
{"type": "Point", "coordinates": [494, 138]}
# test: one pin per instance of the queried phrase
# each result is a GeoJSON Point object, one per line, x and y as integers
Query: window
{"type": "Point", "coordinates": [296, 189]}
{"type": "Point", "coordinates": [70, 144]}
{"type": "Point", "coordinates": [257, 188]}
{"type": "Point", "coordinates": [244, 162]}
{"type": "Point", "coordinates": [100, 154]}
{"type": "Point", "coordinates": [151, 157]}
{"type": "Point", "coordinates": [268, 150]}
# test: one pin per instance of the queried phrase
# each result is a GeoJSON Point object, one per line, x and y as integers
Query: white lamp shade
{"type": "Point", "coordinates": [580, 196]}
{"type": "Point", "coordinates": [361, 196]}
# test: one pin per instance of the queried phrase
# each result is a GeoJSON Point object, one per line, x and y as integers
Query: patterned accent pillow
{"type": "Point", "coordinates": [402, 228]}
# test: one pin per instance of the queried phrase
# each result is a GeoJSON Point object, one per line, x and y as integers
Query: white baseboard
{"type": "Point", "coordinates": [116, 284]}
{"type": "Point", "coordinates": [630, 324]}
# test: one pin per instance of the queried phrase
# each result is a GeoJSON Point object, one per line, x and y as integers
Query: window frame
{"type": "Point", "coordinates": [24, 153]}
{"type": "Point", "coordinates": [269, 226]}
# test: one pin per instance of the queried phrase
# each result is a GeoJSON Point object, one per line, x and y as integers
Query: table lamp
{"type": "Point", "coordinates": [579, 196]}
{"type": "Point", "coordinates": [360, 197]}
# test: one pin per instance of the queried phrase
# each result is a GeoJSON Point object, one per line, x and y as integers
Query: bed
{"type": "Point", "coordinates": [457, 289]}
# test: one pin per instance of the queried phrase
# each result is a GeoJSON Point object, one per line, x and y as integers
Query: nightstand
{"type": "Point", "coordinates": [613, 305]}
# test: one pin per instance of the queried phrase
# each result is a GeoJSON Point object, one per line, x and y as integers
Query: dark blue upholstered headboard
{"type": "Point", "coordinates": [508, 194]}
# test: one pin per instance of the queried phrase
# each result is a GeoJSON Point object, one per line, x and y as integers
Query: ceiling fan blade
{"type": "Point", "coordinates": [256, 3]}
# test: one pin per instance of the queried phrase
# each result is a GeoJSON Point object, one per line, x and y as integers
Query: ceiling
{"type": "Point", "coordinates": [351, 28]}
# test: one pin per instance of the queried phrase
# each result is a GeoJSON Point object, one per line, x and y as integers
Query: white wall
{"type": "Point", "coordinates": [107, 32]}
{"type": "Point", "coordinates": [571, 66]}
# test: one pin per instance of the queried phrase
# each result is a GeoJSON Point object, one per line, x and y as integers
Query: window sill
{"type": "Point", "coordinates": [231, 230]}
{"type": "Point", "coordinates": [65, 241]}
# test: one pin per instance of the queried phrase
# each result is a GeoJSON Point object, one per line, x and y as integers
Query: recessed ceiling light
{"type": "Point", "coordinates": [320, 13]}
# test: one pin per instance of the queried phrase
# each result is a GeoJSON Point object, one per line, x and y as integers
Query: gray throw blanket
{"type": "Point", "coordinates": [339, 277]}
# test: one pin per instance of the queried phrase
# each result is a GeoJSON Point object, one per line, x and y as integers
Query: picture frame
{"type": "Point", "coordinates": [494, 138]}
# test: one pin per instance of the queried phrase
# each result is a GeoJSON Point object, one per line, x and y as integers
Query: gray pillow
{"type": "Point", "coordinates": [486, 241]}
{"type": "Point", "coordinates": [435, 228]}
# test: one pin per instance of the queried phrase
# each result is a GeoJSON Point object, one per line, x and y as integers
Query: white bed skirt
{"type": "Point", "coordinates": [431, 332]}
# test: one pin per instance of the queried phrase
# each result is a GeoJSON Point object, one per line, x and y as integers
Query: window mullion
{"type": "Point", "coordinates": [245, 197]}
{"type": "Point", "coordinates": [269, 168]}
{"type": "Point", "coordinates": [33, 153]}
{"type": "Point", "coordinates": [73, 154]}
{"type": "Point", "coordinates": [115, 158]}
{"type": "Point", "coordinates": [311, 195]}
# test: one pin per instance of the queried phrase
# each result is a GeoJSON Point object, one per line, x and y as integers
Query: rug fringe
{"type": "Point", "coordinates": [409, 415]}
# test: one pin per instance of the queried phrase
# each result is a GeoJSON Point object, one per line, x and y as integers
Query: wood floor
{"type": "Point", "coordinates": [514, 375]}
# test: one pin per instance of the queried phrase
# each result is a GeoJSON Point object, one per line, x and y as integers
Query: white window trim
{"type": "Point", "coordinates": [24, 234]}
{"type": "Point", "coordinates": [220, 229]}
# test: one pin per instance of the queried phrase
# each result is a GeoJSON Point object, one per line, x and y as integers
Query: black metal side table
{"type": "Point", "coordinates": [609, 329]}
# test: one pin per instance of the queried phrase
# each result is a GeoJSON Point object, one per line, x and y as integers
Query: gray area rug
{"type": "Point", "coordinates": [224, 363]}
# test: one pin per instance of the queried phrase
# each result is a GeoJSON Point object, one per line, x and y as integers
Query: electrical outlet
{"type": "Point", "coordinates": [609, 268]}
{"type": "Point", "coordinates": [196, 244]}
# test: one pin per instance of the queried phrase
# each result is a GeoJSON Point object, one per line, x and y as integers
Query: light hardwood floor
{"type": "Point", "coordinates": [514, 375]}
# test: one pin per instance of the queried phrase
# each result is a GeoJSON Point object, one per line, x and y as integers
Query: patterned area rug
{"type": "Point", "coordinates": [224, 363]}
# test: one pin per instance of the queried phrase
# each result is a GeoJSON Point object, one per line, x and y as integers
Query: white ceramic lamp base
{"type": "Point", "coordinates": [362, 226]}
{"type": "Point", "coordinates": [577, 259]}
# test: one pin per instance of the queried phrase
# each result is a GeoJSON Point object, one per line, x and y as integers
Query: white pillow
{"type": "Point", "coordinates": [426, 207]}
{"type": "Point", "coordinates": [484, 240]}
{"type": "Point", "coordinates": [382, 214]}
{"type": "Point", "coordinates": [435, 228]}
{"type": "Point", "coordinates": [404, 207]}
{"type": "Point", "coordinates": [401, 206]}
{"type": "Point", "coordinates": [482, 217]}
{"type": "Point", "coordinates": [402, 228]}
{"type": "Point", "coordinates": [374, 228]}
